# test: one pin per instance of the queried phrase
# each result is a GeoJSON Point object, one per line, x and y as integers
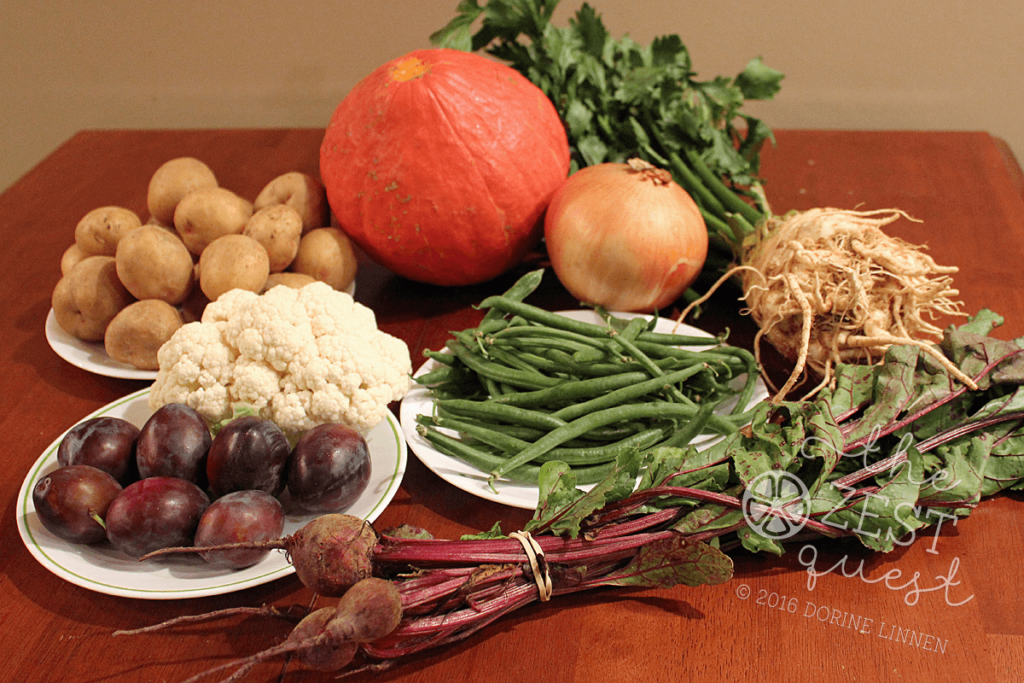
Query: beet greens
{"type": "Point", "coordinates": [890, 450]}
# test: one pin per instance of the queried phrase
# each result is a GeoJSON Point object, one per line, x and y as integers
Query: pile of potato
{"type": "Point", "coordinates": [132, 284]}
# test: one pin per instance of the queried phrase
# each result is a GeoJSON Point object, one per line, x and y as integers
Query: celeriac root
{"type": "Point", "coordinates": [828, 285]}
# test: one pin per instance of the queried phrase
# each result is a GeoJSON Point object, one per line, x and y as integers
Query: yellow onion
{"type": "Point", "coordinates": [625, 236]}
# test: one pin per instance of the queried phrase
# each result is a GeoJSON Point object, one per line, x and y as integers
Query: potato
{"type": "Point", "coordinates": [194, 304]}
{"type": "Point", "coordinates": [326, 254]}
{"type": "Point", "coordinates": [204, 215]}
{"type": "Point", "coordinates": [233, 262]}
{"type": "Point", "coordinates": [160, 224]}
{"type": "Point", "coordinates": [172, 181]}
{"type": "Point", "coordinates": [302, 192]}
{"type": "Point", "coordinates": [87, 298]}
{"type": "Point", "coordinates": [152, 263]}
{"type": "Point", "coordinates": [99, 231]}
{"type": "Point", "coordinates": [136, 334]}
{"type": "Point", "coordinates": [278, 228]}
{"type": "Point", "coordinates": [294, 280]}
{"type": "Point", "coordinates": [72, 255]}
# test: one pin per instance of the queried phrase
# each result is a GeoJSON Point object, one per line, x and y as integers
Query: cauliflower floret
{"type": "Point", "coordinates": [198, 371]}
{"type": "Point", "coordinates": [300, 357]}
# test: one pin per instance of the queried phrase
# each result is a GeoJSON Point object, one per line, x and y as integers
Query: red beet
{"type": "Point", "coordinates": [328, 654]}
{"type": "Point", "coordinates": [368, 610]}
{"type": "Point", "coordinates": [333, 552]}
{"type": "Point", "coordinates": [330, 553]}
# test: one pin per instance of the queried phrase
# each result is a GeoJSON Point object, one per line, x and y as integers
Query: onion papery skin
{"type": "Point", "coordinates": [621, 239]}
{"type": "Point", "coordinates": [440, 164]}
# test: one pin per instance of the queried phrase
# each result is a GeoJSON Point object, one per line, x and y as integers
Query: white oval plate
{"type": "Point", "coordinates": [515, 494]}
{"type": "Point", "coordinates": [103, 569]}
{"type": "Point", "coordinates": [92, 356]}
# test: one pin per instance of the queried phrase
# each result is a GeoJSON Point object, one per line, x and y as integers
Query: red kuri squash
{"type": "Point", "coordinates": [440, 165]}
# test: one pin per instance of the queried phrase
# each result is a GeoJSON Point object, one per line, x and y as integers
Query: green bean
{"type": "Point", "coordinates": [721, 354]}
{"type": "Point", "coordinates": [530, 330]}
{"type": "Point", "coordinates": [493, 388]}
{"type": "Point", "coordinates": [549, 387]}
{"type": "Point", "coordinates": [589, 355]}
{"type": "Point", "coordinates": [486, 462]}
{"type": "Point", "coordinates": [504, 413]}
{"type": "Point", "coordinates": [562, 364]}
{"type": "Point", "coordinates": [542, 317]}
{"type": "Point", "coordinates": [611, 432]}
{"type": "Point", "coordinates": [738, 362]}
{"type": "Point", "coordinates": [572, 391]}
{"type": "Point", "coordinates": [440, 356]}
{"type": "Point", "coordinates": [446, 373]}
{"type": "Point", "coordinates": [501, 373]}
{"type": "Point", "coordinates": [692, 429]}
{"type": "Point", "coordinates": [596, 454]}
{"type": "Point", "coordinates": [512, 360]}
{"type": "Point", "coordinates": [618, 396]}
{"type": "Point", "coordinates": [631, 330]}
{"type": "Point", "coordinates": [452, 390]}
{"type": "Point", "coordinates": [652, 367]}
{"type": "Point", "coordinates": [556, 360]}
{"type": "Point", "coordinates": [471, 340]}
{"type": "Point", "coordinates": [474, 456]}
{"type": "Point", "coordinates": [517, 431]}
{"type": "Point", "coordinates": [528, 337]}
{"type": "Point", "coordinates": [596, 419]}
{"type": "Point", "coordinates": [745, 394]}
{"type": "Point", "coordinates": [587, 455]}
{"type": "Point", "coordinates": [600, 435]}
{"type": "Point", "coordinates": [530, 427]}
{"type": "Point", "coordinates": [540, 342]}
{"type": "Point", "coordinates": [666, 339]}
{"type": "Point", "coordinates": [522, 288]}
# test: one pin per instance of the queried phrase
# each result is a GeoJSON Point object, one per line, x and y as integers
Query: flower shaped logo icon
{"type": "Point", "coordinates": [775, 504]}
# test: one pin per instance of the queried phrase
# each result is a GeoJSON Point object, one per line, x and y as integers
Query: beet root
{"type": "Point", "coordinates": [328, 639]}
{"type": "Point", "coordinates": [369, 610]}
{"type": "Point", "coordinates": [327, 654]}
{"type": "Point", "coordinates": [329, 553]}
{"type": "Point", "coordinates": [332, 553]}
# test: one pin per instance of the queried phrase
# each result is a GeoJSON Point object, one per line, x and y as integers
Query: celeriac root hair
{"type": "Point", "coordinates": [828, 285]}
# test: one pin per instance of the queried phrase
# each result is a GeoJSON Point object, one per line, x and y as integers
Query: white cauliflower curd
{"type": "Point", "coordinates": [299, 357]}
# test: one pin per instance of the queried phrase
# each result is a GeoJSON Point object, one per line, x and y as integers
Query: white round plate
{"type": "Point", "coordinates": [92, 356]}
{"type": "Point", "coordinates": [516, 494]}
{"type": "Point", "coordinates": [103, 569]}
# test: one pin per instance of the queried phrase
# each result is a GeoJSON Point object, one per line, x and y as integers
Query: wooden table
{"type": "Point", "coordinates": [766, 624]}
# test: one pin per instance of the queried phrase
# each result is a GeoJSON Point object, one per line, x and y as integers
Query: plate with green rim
{"type": "Point", "coordinates": [103, 569]}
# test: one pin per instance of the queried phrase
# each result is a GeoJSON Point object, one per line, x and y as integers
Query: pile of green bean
{"type": "Point", "coordinates": [527, 386]}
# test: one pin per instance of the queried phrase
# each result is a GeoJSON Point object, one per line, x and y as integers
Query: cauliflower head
{"type": "Point", "coordinates": [299, 357]}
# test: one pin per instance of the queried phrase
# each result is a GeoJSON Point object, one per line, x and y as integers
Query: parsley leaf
{"type": "Point", "coordinates": [619, 99]}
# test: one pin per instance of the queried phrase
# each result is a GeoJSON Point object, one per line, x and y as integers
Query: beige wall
{"type": "Point", "coordinates": [894, 64]}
